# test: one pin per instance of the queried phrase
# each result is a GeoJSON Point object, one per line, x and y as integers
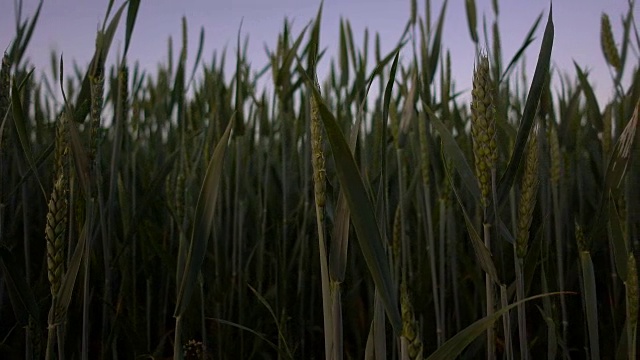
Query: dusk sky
{"type": "Point", "coordinates": [69, 26]}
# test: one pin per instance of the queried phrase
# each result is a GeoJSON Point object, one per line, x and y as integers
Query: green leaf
{"type": "Point", "coordinates": [97, 62]}
{"type": "Point", "coordinates": [472, 19]}
{"type": "Point", "coordinates": [454, 152]}
{"type": "Point", "coordinates": [132, 13]}
{"type": "Point", "coordinates": [344, 57]}
{"type": "Point", "coordinates": [20, 122]}
{"type": "Point", "coordinates": [43, 156]}
{"type": "Point", "coordinates": [434, 54]}
{"type": "Point", "coordinates": [483, 255]}
{"type": "Point", "coordinates": [205, 209]}
{"type": "Point", "coordinates": [618, 241]}
{"type": "Point", "coordinates": [198, 56]}
{"type": "Point", "coordinates": [20, 294]}
{"type": "Point", "coordinates": [283, 71]}
{"type": "Point", "coordinates": [454, 346]}
{"type": "Point", "coordinates": [525, 44]}
{"type": "Point", "coordinates": [593, 110]}
{"type": "Point", "coordinates": [239, 100]}
{"type": "Point", "coordinates": [622, 152]}
{"type": "Point", "coordinates": [381, 65]}
{"type": "Point", "coordinates": [530, 110]}
{"type": "Point", "coordinates": [22, 45]}
{"type": "Point", "coordinates": [590, 301]}
{"type": "Point", "coordinates": [80, 158]}
{"type": "Point", "coordinates": [286, 351]}
{"type": "Point", "coordinates": [63, 297]}
{"type": "Point", "coordinates": [362, 213]}
{"type": "Point", "coordinates": [340, 236]}
{"type": "Point", "coordinates": [257, 334]}
{"type": "Point", "coordinates": [616, 169]}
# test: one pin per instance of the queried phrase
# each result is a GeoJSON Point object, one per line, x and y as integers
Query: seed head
{"type": "Point", "coordinates": [608, 44]}
{"type": "Point", "coordinates": [528, 193]}
{"type": "Point", "coordinates": [317, 153]}
{"type": "Point", "coordinates": [483, 127]}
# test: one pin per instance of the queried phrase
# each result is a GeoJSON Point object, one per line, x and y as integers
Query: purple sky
{"type": "Point", "coordinates": [71, 29]}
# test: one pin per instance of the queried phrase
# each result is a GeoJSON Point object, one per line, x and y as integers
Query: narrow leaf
{"type": "Point", "coordinates": [458, 159]}
{"type": "Point", "coordinates": [530, 110]}
{"type": "Point", "coordinates": [132, 13]}
{"type": "Point", "coordinates": [590, 301]}
{"type": "Point", "coordinates": [20, 122]}
{"type": "Point", "coordinates": [205, 209]}
{"type": "Point", "coordinates": [483, 254]}
{"type": "Point", "coordinates": [456, 345]}
{"type": "Point", "coordinates": [362, 213]}
{"type": "Point", "coordinates": [20, 294]}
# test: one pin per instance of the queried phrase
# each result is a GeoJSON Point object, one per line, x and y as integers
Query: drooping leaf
{"type": "Point", "coordinates": [453, 347]}
{"type": "Point", "coordinates": [483, 255]}
{"type": "Point", "coordinates": [454, 153]}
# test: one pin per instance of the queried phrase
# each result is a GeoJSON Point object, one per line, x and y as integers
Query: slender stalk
{"type": "Point", "coordinates": [560, 259]}
{"type": "Point", "coordinates": [506, 323]}
{"type": "Point", "coordinates": [326, 292]}
{"type": "Point", "coordinates": [520, 295]}
{"type": "Point", "coordinates": [403, 239]}
{"type": "Point", "coordinates": [432, 264]}
{"type": "Point", "coordinates": [453, 263]}
{"type": "Point", "coordinates": [442, 284]}
{"type": "Point", "coordinates": [177, 345]}
{"type": "Point", "coordinates": [319, 191]}
{"type": "Point", "coordinates": [491, 349]}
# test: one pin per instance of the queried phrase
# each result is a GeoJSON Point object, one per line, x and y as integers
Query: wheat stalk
{"type": "Point", "coordinates": [631, 285]}
{"type": "Point", "coordinates": [5, 86]}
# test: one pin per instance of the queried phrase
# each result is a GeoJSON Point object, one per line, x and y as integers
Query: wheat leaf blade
{"type": "Point", "coordinates": [454, 346]}
{"type": "Point", "coordinates": [362, 213]}
{"type": "Point", "coordinates": [204, 214]}
{"type": "Point", "coordinates": [530, 110]}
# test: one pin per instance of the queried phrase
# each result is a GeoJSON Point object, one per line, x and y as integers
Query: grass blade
{"type": "Point", "coordinates": [590, 301]}
{"type": "Point", "coordinates": [530, 110]}
{"type": "Point", "coordinates": [456, 345]}
{"type": "Point", "coordinates": [483, 255]}
{"type": "Point", "coordinates": [362, 213]}
{"type": "Point", "coordinates": [20, 120]}
{"type": "Point", "coordinates": [453, 151]}
{"type": "Point", "coordinates": [132, 13]}
{"type": "Point", "coordinates": [204, 214]}
{"type": "Point", "coordinates": [20, 294]}
{"type": "Point", "coordinates": [97, 63]}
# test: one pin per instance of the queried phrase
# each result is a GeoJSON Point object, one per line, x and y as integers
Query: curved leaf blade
{"type": "Point", "coordinates": [530, 110]}
{"type": "Point", "coordinates": [454, 346]}
{"type": "Point", "coordinates": [205, 209]}
{"type": "Point", "coordinates": [362, 213]}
